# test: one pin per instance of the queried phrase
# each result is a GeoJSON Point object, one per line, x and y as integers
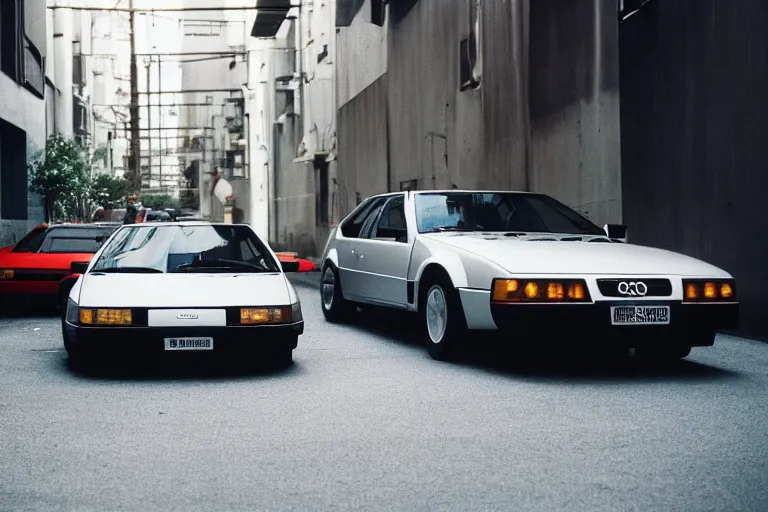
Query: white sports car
{"type": "Point", "coordinates": [524, 264]}
{"type": "Point", "coordinates": [179, 287]}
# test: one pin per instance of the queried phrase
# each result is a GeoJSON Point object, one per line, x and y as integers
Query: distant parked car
{"type": "Point", "coordinates": [526, 265]}
{"type": "Point", "coordinates": [40, 260]}
{"type": "Point", "coordinates": [158, 216]}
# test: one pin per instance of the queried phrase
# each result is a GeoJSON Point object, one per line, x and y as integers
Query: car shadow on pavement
{"type": "Point", "coordinates": [551, 365]}
{"type": "Point", "coordinates": [576, 368]}
{"type": "Point", "coordinates": [28, 309]}
{"type": "Point", "coordinates": [180, 370]}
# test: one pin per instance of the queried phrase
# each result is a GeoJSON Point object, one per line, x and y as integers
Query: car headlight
{"type": "Point", "coordinates": [261, 316]}
{"type": "Point", "coordinates": [540, 290]}
{"type": "Point", "coordinates": [296, 315]}
{"type": "Point", "coordinates": [89, 316]}
{"type": "Point", "coordinates": [709, 290]}
{"type": "Point", "coordinates": [7, 274]}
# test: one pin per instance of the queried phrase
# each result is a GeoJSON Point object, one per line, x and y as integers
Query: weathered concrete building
{"type": "Point", "coordinates": [694, 118]}
{"type": "Point", "coordinates": [292, 123]}
{"type": "Point", "coordinates": [23, 117]}
{"type": "Point", "coordinates": [479, 94]}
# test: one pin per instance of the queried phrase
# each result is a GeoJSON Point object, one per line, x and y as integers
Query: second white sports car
{"type": "Point", "coordinates": [171, 288]}
{"type": "Point", "coordinates": [524, 264]}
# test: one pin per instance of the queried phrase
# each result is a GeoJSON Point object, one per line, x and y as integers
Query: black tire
{"type": "Point", "coordinates": [337, 309]}
{"type": "Point", "coordinates": [78, 358]}
{"type": "Point", "coordinates": [444, 344]}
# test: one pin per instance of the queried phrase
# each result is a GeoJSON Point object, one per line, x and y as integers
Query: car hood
{"type": "Point", "coordinates": [183, 290]}
{"type": "Point", "coordinates": [564, 254]}
{"type": "Point", "coordinates": [45, 261]}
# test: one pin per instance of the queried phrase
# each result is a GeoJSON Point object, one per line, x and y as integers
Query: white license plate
{"type": "Point", "coordinates": [640, 315]}
{"type": "Point", "coordinates": [188, 343]}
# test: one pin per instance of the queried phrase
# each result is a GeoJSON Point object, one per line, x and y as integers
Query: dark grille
{"type": "Point", "coordinates": [656, 287]}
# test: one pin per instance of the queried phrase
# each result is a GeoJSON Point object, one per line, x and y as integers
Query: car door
{"type": "Point", "coordinates": [350, 231]}
{"type": "Point", "coordinates": [383, 255]}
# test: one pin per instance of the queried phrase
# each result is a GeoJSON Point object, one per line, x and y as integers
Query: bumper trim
{"type": "Point", "coordinates": [572, 322]}
{"type": "Point", "coordinates": [151, 339]}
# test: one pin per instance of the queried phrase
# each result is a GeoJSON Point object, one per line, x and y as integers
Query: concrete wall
{"type": "Point", "coordinates": [694, 119]}
{"type": "Point", "coordinates": [294, 203]}
{"type": "Point", "coordinates": [574, 105]}
{"type": "Point", "coordinates": [545, 115]}
{"type": "Point", "coordinates": [361, 55]}
{"type": "Point", "coordinates": [435, 130]}
{"type": "Point", "coordinates": [363, 146]}
{"type": "Point", "coordinates": [26, 114]}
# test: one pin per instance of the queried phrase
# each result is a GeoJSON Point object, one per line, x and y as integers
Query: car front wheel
{"type": "Point", "coordinates": [335, 307]}
{"type": "Point", "coordinates": [444, 321]}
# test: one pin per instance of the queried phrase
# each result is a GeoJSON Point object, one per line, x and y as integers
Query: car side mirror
{"type": "Point", "coordinates": [290, 266]}
{"type": "Point", "coordinates": [616, 232]}
{"type": "Point", "coordinates": [78, 267]}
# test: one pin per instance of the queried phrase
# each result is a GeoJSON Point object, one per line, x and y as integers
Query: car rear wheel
{"type": "Point", "coordinates": [444, 321]}
{"type": "Point", "coordinates": [336, 308]}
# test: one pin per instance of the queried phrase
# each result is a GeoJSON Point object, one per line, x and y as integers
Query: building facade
{"type": "Point", "coordinates": [436, 94]}
{"type": "Point", "coordinates": [212, 133]}
{"type": "Point", "coordinates": [292, 124]}
{"type": "Point", "coordinates": [110, 92]}
{"type": "Point", "coordinates": [23, 119]}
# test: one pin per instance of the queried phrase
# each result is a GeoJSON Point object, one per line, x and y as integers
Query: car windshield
{"type": "Point", "coordinates": [503, 212]}
{"type": "Point", "coordinates": [32, 241]}
{"type": "Point", "coordinates": [173, 248]}
{"type": "Point", "coordinates": [75, 240]}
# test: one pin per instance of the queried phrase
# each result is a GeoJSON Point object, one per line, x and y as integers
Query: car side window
{"type": "Point", "coordinates": [353, 226]}
{"type": "Point", "coordinates": [370, 221]}
{"type": "Point", "coordinates": [392, 221]}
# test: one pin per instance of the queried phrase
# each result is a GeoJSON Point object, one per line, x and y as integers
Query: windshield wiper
{"type": "Point", "coordinates": [222, 265]}
{"type": "Point", "coordinates": [127, 270]}
{"type": "Point", "coordinates": [442, 229]}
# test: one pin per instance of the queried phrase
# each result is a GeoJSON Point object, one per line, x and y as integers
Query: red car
{"type": "Point", "coordinates": [40, 260]}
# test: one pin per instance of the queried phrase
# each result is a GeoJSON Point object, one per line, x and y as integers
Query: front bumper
{"type": "Point", "coordinates": [693, 324]}
{"type": "Point", "coordinates": [150, 340]}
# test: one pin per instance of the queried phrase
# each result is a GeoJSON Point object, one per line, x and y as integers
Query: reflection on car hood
{"type": "Point", "coordinates": [183, 290]}
{"type": "Point", "coordinates": [544, 253]}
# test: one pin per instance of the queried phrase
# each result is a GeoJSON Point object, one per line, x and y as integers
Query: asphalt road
{"type": "Point", "coordinates": [365, 420]}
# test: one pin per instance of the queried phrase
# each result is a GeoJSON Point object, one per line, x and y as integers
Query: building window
{"type": "Point", "coordinates": [13, 172]}
{"type": "Point", "coordinates": [321, 194]}
{"type": "Point", "coordinates": [11, 23]}
{"type": "Point", "coordinates": [202, 28]}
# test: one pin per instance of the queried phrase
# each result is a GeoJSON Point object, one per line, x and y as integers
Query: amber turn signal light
{"type": "Point", "coordinates": [540, 290]}
{"type": "Point", "coordinates": [706, 290]}
{"type": "Point", "coordinates": [258, 316]}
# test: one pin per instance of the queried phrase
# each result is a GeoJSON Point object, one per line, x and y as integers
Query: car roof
{"type": "Point", "coordinates": [187, 223]}
{"type": "Point", "coordinates": [80, 226]}
{"type": "Point", "coordinates": [455, 191]}
{"type": "Point", "coordinates": [469, 191]}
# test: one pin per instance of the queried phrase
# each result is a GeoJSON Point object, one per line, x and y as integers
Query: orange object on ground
{"type": "Point", "coordinates": [304, 264]}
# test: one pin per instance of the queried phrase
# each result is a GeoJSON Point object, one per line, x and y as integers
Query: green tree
{"type": "Point", "coordinates": [159, 202]}
{"type": "Point", "coordinates": [59, 173]}
{"type": "Point", "coordinates": [108, 192]}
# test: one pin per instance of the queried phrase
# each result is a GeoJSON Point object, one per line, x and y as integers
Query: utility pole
{"type": "Point", "coordinates": [134, 165]}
